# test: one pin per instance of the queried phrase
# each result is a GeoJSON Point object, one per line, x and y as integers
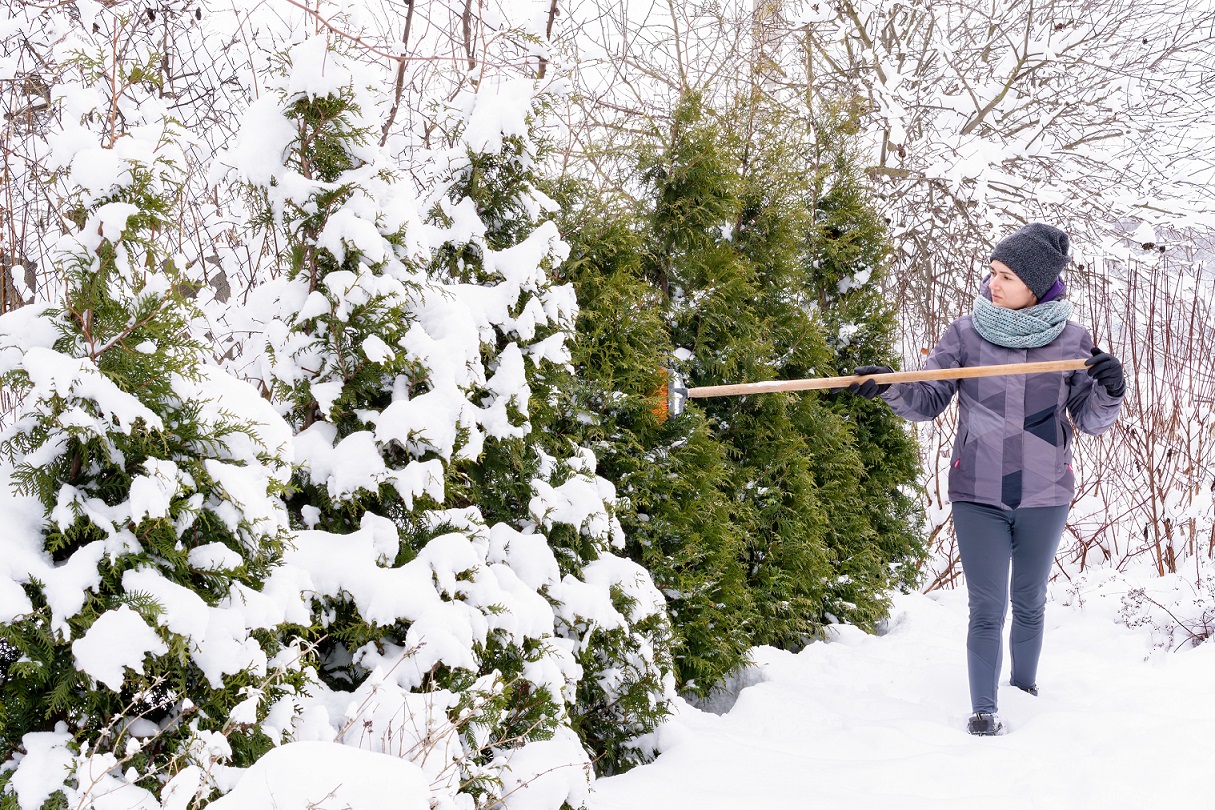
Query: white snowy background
{"type": "Point", "coordinates": [879, 721]}
{"type": "Point", "coordinates": [1127, 700]}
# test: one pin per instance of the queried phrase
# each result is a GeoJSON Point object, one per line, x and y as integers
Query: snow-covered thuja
{"type": "Point", "coordinates": [497, 239]}
{"type": "Point", "coordinates": [436, 597]}
{"type": "Point", "coordinates": [342, 359]}
{"type": "Point", "coordinates": [140, 492]}
{"type": "Point", "coordinates": [424, 649]}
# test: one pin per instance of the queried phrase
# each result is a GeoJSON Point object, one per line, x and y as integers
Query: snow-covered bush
{"type": "Point", "coordinates": [499, 242]}
{"type": "Point", "coordinates": [140, 488]}
{"type": "Point", "coordinates": [466, 607]}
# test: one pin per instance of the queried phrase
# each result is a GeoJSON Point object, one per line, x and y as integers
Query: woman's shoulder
{"type": "Point", "coordinates": [963, 328]}
{"type": "Point", "coordinates": [958, 340]}
{"type": "Point", "coordinates": [962, 324]}
{"type": "Point", "coordinates": [1076, 333]}
{"type": "Point", "coordinates": [1073, 341]}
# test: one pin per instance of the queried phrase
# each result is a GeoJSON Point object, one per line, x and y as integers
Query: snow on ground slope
{"type": "Point", "coordinates": [878, 722]}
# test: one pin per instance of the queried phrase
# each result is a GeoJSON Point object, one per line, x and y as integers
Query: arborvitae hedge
{"type": "Point", "coordinates": [159, 494]}
{"type": "Point", "coordinates": [726, 268]}
{"type": "Point", "coordinates": [672, 475]}
{"type": "Point", "coordinates": [722, 250]}
{"type": "Point", "coordinates": [429, 346]}
{"type": "Point", "coordinates": [846, 252]}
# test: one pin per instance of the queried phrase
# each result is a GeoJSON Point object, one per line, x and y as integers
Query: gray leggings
{"type": "Point", "coordinates": [988, 539]}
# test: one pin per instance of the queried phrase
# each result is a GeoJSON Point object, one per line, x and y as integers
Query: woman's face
{"type": "Point", "coordinates": [1007, 289]}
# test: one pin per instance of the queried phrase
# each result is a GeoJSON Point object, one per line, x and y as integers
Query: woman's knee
{"type": "Point", "coordinates": [1029, 603]}
{"type": "Point", "coordinates": [1029, 621]}
{"type": "Point", "coordinates": [987, 615]}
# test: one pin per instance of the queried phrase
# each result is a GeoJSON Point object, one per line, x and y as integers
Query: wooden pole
{"type": "Point", "coordinates": [883, 379]}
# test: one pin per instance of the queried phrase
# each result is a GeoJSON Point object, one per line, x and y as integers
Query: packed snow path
{"type": "Point", "coordinates": [879, 722]}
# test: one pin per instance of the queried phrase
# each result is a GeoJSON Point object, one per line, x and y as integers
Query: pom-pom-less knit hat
{"type": "Point", "coordinates": [1037, 254]}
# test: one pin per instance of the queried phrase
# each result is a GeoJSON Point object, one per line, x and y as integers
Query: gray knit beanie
{"type": "Point", "coordinates": [1037, 254]}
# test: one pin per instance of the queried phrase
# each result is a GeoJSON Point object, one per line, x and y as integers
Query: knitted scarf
{"type": "Point", "coordinates": [1026, 328]}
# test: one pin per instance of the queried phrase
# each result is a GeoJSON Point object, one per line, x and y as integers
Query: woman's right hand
{"type": "Point", "coordinates": [869, 389]}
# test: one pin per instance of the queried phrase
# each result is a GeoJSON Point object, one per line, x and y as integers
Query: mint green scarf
{"type": "Point", "coordinates": [1026, 328]}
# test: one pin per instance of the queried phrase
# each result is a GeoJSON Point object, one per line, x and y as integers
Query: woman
{"type": "Point", "coordinates": [1010, 476]}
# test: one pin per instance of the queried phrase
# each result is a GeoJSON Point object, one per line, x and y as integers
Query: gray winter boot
{"type": "Point", "coordinates": [982, 724]}
{"type": "Point", "coordinates": [1033, 690]}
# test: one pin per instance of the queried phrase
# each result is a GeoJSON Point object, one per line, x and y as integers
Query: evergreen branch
{"type": "Point", "coordinates": [121, 336]}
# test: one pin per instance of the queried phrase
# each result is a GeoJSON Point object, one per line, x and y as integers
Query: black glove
{"type": "Point", "coordinates": [869, 389]}
{"type": "Point", "coordinates": [1106, 370]}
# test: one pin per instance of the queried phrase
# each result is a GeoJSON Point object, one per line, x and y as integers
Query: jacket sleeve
{"type": "Point", "coordinates": [924, 401]}
{"type": "Point", "coordinates": [1092, 408]}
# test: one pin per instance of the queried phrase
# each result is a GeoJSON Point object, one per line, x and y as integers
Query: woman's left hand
{"type": "Point", "coordinates": [1107, 370]}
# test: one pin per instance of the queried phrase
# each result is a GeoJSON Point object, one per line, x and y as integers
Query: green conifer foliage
{"type": "Point", "coordinates": [718, 253]}
{"type": "Point", "coordinates": [626, 665]}
{"type": "Point", "coordinates": [734, 270]}
{"type": "Point", "coordinates": [421, 356]}
{"type": "Point", "coordinates": [821, 246]}
{"type": "Point", "coordinates": [146, 513]}
{"type": "Point", "coordinates": [846, 253]}
{"type": "Point", "coordinates": [671, 475]}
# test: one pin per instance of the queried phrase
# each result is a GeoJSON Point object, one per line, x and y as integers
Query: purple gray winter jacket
{"type": "Point", "coordinates": [1013, 446]}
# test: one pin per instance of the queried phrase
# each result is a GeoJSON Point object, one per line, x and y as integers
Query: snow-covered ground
{"type": "Point", "coordinates": [879, 722]}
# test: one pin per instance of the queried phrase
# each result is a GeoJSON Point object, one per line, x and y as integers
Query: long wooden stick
{"type": "Point", "coordinates": [883, 379]}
